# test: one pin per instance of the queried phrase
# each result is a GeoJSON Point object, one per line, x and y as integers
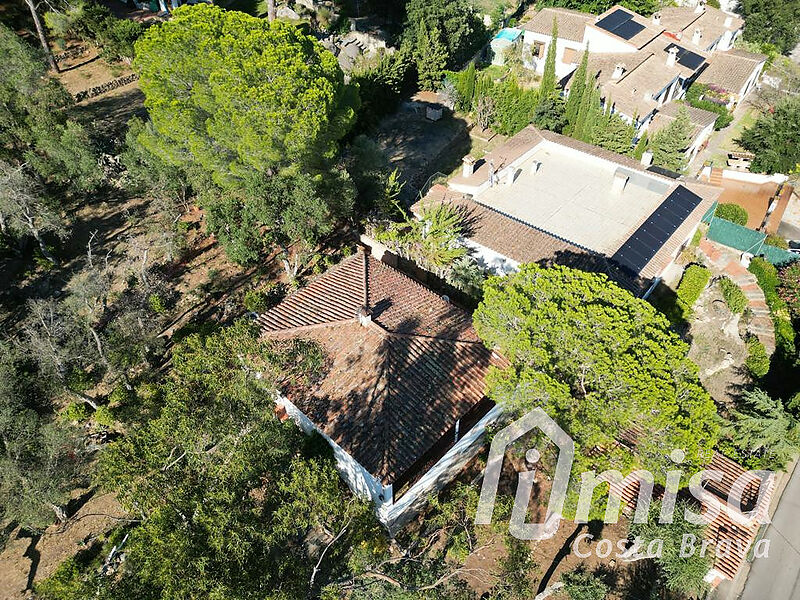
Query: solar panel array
{"type": "Point", "coordinates": [648, 239]}
{"type": "Point", "coordinates": [688, 59]}
{"type": "Point", "coordinates": [620, 23]}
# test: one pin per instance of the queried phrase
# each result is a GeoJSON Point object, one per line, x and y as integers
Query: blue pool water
{"type": "Point", "coordinates": [508, 33]}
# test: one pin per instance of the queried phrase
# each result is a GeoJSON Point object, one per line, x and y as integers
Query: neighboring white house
{"type": "Point", "coordinates": [702, 125]}
{"type": "Point", "coordinates": [538, 35]}
{"type": "Point", "coordinates": [555, 199]}
{"type": "Point", "coordinates": [402, 401]}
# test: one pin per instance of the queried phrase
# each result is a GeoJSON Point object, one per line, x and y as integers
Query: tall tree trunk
{"type": "Point", "coordinates": [43, 248]}
{"type": "Point", "coordinates": [271, 10]}
{"type": "Point", "coordinates": [42, 37]}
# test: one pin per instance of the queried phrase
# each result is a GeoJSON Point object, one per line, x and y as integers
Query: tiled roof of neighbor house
{"type": "Point", "coordinates": [669, 112]}
{"type": "Point", "coordinates": [571, 23]}
{"type": "Point", "coordinates": [643, 37]}
{"type": "Point", "coordinates": [395, 385]}
{"type": "Point", "coordinates": [731, 70]}
{"type": "Point", "coordinates": [732, 525]}
{"type": "Point", "coordinates": [646, 74]}
{"type": "Point", "coordinates": [711, 22]}
{"type": "Point", "coordinates": [525, 243]}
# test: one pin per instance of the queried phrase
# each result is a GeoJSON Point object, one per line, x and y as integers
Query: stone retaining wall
{"type": "Point", "coordinates": [71, 53]}
{"type": "Point", "coordinates": [106, 87]}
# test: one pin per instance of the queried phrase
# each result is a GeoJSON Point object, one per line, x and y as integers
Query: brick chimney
{"type": "Point", "coordinates": [697, 36]}
{"type": "Point", "coordinates": [364, 316]}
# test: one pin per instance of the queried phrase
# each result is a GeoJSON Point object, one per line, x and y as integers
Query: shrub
{"type": "Point", "coordinates": [156, 304]}
{"type": "Point", "coordinates": [75, 412]}
{"type": "Point", "coordinates": [733, 213]}
{"type": "Point", "coordinates": [692, 284]}
{"type": "Point", "coordinates": [757, 361]}
{"type": "Point", "coordinates": [789, 287]}
{"type": "Point", "coordinates": [103, 417]}
{"type": "Point", "coordinates": [777, 241]}
{"type": "Point", "coordinates": [703, 96]}
{"type": "Point", "coordinates": [581, 585]}
{"type": "Point", "coordinates": [734, 296]}
{"type": "Point", "coordinates": [767, 275]}
{"type": "Point", "coordinates": [264, 298]}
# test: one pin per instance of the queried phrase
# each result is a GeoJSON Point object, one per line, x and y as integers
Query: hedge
{"type": "Point", "coordinates": [757, 361]}
{"type": "Point", "coordinates": [733, 295]}
{"type": "Point", "coordinates": [693, 98]}
{"type": "Point", "coordinates": [767, 276]}
{"type": "Point", "coordinates": [732, 212]}
{"type": "Point", "coordinates": [694, 281]}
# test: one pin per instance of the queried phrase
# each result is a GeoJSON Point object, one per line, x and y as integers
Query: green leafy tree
{"type": "Point", "coordinates": [514, 106]}
{"type": "Point", "coordinates": [35, 128]}
{"type": "Point", "coordinates": [460, 28]}
{"type": "Point", "coordinates": [582, 585]}
{"type": "Point", "coordinates": [789, 287]}
{"type": "Point", "coordinates": [25, 211]}
{"type": "Point", "coordinates": [679, 574]}
{"type": "Point", "coordinates": [771, 22]}
{"type": "Point", "coordinates": [549, 114]}
{"type": "Point", "coordinates": [229, 495]}
{"type": "Point", "coordinates": [431, 57]}
{"type": "Point", "coordinates": [380, 85]}
{"type": "Point", "coordinates": [669, 144]}
{"type": "Point", "coordinates": [772, 139]}
{"type": "Point", "coordinates": [590, 114]}
{"type": "Point", "coordinates": [599, 361]}
{"type": "Point", "coordinates": [41, 460]}
{"type": "Point", "coordinates": [615, 134]}
{"type": "Point", "coordinates": [763, 428]}
{"type": "Point", "coordinates": [282, 211]}
{"type": "Point", "coordinates": [264, 95]}
{"type": "Point", "coordinates": [547, 87]}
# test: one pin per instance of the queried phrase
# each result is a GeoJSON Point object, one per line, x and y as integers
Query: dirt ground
{"type": "Point", "coordinates": [753, 198]}
{"type": "Point", "coordinates": [717, 347]}
{"type": "Point", "coordinates": [27, 559]}
{"type": "Point", "coordinates": [86, 71]}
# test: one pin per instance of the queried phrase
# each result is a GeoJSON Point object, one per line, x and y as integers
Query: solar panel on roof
{"type": "Point", "coordinates": [648, 239]}
{"type": "Point", "coordinates": [614, 20]}
{"type": "Point", "coordinates": [688, 59]}
{"type": "Point", "coordinates": [628, 29]}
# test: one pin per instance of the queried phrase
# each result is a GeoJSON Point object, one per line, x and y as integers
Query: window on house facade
{"type": "Point", "coordinates": [539, 49]}
{"type": "Point", "coordinates": [570, 56]}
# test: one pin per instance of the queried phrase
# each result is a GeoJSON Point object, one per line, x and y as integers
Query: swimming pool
{"type": "Point", "coordinates": [509, 33]}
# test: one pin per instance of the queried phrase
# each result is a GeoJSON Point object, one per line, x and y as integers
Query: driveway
{"type": "Point", "coordinates": [777, 577]}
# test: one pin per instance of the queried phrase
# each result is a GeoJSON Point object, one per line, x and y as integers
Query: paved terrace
{"type": "Point", "coordinates": [569, 194]}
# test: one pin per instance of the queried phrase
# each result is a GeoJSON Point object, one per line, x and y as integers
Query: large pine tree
{"type": "Point", "coordinates": [615, 134]}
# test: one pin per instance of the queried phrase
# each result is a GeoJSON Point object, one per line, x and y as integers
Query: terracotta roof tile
{"type": "Point", "coordinates": [396, 385]}
{"type": "Point", "coordinates": [731, 70]}
{"type": "Point", "coordinates": [571, 23]}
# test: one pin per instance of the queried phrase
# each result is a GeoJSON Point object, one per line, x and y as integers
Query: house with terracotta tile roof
{"type": "Point", "coordinates": [402, 402]}
{"type": "Point", "coordinates": [733, 504]}
{"type": "Point", "coordinates": [554, 199]}
{"type": "Point", "coordinates": [702, 125]}
{"type": "Point", "coordinates": [642, 64]}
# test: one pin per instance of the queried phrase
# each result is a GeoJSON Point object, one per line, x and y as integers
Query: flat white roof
{"type": "Point", "coordinates": [570, 195]}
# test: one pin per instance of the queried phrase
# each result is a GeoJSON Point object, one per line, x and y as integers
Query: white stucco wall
{"type": "Point", "coordinates": [562, 68]}
{"type": "Point", "coordinates": [395, 516]}
{"type": "Point", "coordinates": [603, 43]}
{"type": "Point", "coordinates": [362, 483]}
{"type": "Point", "coordinates": [359, 480]}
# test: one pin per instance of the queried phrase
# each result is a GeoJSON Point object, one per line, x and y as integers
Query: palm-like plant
{"type": "Point", "coordinates": [765, 428]}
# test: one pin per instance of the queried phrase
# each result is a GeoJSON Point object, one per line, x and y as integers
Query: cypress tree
{"type": "Point", "coordinates": [615, 134]}
{"type": "Point", "coordinates": [431, 55]}
{"type": "Point", "coordinates": [548, 85]}
{"type": "Point", "coordinates": [468, 88]}
{"type": "Point", "coordinates": [576, 93]}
